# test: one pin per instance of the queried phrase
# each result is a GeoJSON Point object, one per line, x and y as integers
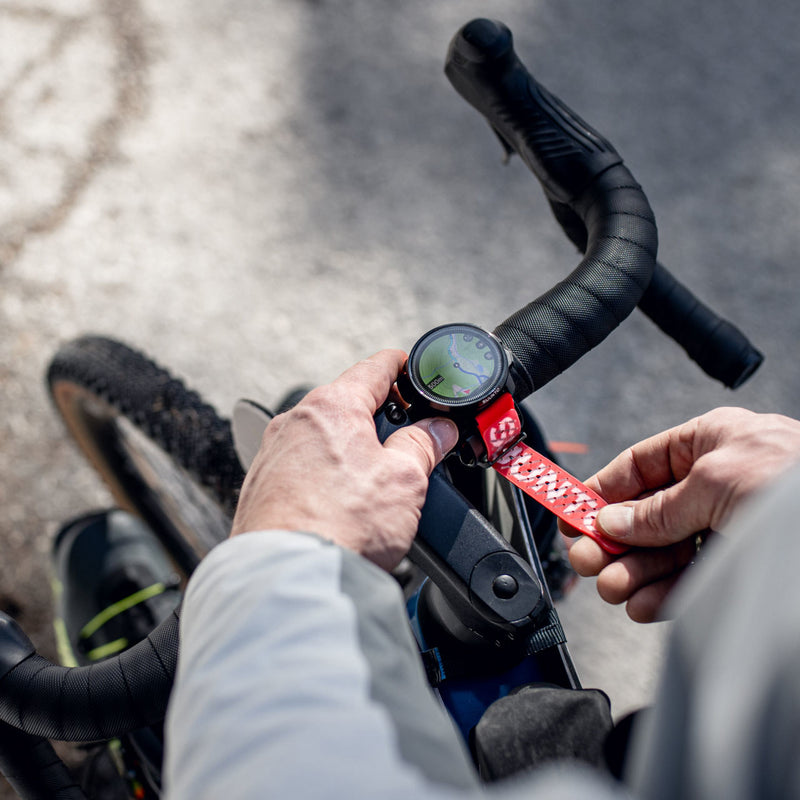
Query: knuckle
{"type": "Point", "coordinates": [411, 474]}
{"type": "Point", "coordinates": [713, 473]}
{"type": "Point", "coordinates": [652, 516]}
{"type": "Point", "coordinates": [726, 416]}
{"type": "Point", "coordinates": [641, 608]}
{"type": "Point", "coordinates": [306, 413]}
{"type": "Point", "coordinates": [587, 557]}
{"type": "Point", "coordinates": [324, 407]}
{"type": "Point", "coordinates": [423, 460]}
{"type": "Point", "coordinates": [614, 586]}
{"type": "Point", "coordinates": [323, 397]}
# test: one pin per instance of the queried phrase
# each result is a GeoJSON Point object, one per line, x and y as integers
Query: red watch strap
{"type": "Point", "coordinates": [547, 483]}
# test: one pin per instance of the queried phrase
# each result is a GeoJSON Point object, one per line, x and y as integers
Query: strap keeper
{"type": "Point", "coordinates": [434, 666]}
{"type": "Point", "coordinates": [551, 634]}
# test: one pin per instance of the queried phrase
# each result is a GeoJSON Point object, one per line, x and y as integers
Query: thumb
{"type": "Point", "coordinates": [429, 441]}
{"type": "Point", "coordinates": [665, 517]}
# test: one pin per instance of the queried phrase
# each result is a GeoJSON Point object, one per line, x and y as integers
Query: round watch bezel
{"type": "Point", "coordinates": [480, 396]}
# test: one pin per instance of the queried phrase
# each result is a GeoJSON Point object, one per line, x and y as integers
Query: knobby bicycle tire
{"type": "Point", "coordinates": [164, 453]}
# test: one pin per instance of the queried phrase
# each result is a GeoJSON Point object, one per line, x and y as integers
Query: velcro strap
{"type": "Point", "coordinates": [537, 476]}
{"type": "Point", "coordinates": [551, 634]}
{"type": "Point", "coordinates": [434, 666]}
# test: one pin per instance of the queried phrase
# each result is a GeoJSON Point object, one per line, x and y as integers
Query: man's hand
{"type": "Point", "coordinates": [322, 469]}
{"type": "Point", "coordinates": [671, 487]}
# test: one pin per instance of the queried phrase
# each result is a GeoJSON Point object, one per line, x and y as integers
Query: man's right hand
{"type": "Point", "coordinates": [322, 469]}
{"type": "Point", "coordinates": [666, 489]}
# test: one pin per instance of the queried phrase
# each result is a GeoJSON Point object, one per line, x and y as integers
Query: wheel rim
{"type": "Point", "coordinates": [142, 476]}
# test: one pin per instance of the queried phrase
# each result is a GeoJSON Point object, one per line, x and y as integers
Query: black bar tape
{"type": "Point", "coordinates": [95, 702]}
{"type": "Point", "coordinates": [591, 192]}
{"type": "Point", "coordinates": [33, 769]}
{"type": "Point", "coordinates": [563, 151]}
{"type": "Point", "coordinates": [550, 334]}
{"type": "Point", "coordinates": [566, 155]}
{"type": "Point", "coordinates": [715, 344]}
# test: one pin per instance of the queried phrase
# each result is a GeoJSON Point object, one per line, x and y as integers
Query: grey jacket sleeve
{"type": "Point", "coordinates": [298, 674]}
{"type": "Point", "coordinates": [299, 677]}
{"type": "Point", "coordinates": [727, 720]}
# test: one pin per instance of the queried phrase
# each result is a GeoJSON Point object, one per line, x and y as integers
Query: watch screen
{"type": "Point", "coordinates": [457, 364]}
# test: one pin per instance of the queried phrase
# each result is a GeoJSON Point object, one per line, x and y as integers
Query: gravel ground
{"type": "Point", "coordinates": [260, 193]}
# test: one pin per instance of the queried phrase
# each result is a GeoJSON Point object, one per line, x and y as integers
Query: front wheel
{"type": "Point", "coordinates": [164, 453]}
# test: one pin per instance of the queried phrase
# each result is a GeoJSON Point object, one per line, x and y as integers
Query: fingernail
{"type": "Point", "coordinates": [616, 520]}
{"type": "Point", "coordinates": [444, 432]}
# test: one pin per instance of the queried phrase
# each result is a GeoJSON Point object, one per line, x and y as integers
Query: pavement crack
{"type": "Point", "coordinates": [124, 23]}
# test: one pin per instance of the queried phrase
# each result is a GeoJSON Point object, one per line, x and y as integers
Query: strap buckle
{"type": "Point", "coordinates": [500, 427]}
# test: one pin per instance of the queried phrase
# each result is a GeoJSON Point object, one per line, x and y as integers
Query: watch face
{"type": "Point", "coordinates": [457, 365]}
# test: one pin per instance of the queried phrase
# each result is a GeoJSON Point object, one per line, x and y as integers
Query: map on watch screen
{"type": "Point", "coordinates": [458, 364]}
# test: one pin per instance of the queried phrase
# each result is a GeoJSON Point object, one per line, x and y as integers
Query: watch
{"type": "Point", "coordinates": [465, 372]}
{"type": "Point", "coordinates": [456, 369]}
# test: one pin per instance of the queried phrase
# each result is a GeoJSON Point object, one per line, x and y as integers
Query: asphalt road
{"type": "Point", "coordinates": [260, 193]}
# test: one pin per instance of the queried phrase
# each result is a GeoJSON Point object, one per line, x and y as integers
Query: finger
{"type": "Point", "coordinates": [588, 558]}
{"type": "Point", "coordinates": [567, 529]}
{"type": "Point", "coordinates": [648, 603]}
{"type": "Point", "coordinates": [663, 518]}
{"type": "Point", "coordinates": [620, 580]}
{"type": "Point", "coordinates": [592, 483]}
{"type": "Point", "coordinates": [650, 464]}
{"type": "Point", "coordinates": [427, 441]}
{"type": "Point", "coordinates": [369, 381]}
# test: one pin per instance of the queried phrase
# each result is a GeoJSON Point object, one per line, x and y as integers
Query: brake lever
{"type": "Point", "coordinates": [248, 423]}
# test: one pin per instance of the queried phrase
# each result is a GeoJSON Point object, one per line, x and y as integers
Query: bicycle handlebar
{"type": "Point", "coordinates": [601, 209]}
{"type": "Point", "coordinates": [81, 704]}
{"type": "Point", "coordinates": [32, 767]}
{"type": "Point", "coordinates": [719, 348]}
{"type": "Point", "coordinates": [579, 169]}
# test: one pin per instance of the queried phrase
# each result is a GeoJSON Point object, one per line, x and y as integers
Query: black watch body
{"type": "Point", "coordinates": [455, 370]}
